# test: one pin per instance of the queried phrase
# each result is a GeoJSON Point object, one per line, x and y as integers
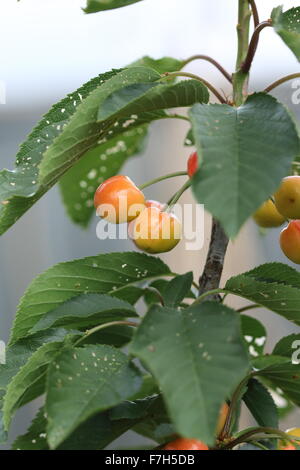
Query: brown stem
{"type": "Point", "coordinates": [254, 12]}
{"type": "Point", "coordinates": [281, 81]}
{"type": "Point", "coordinates": [213, 268]}
{"type": "Point", "coordinates": [212, 61]}
{"type": "Point", "coordinates": [253, 45]}
{"type": "Point", "coordinates": [199, 79]}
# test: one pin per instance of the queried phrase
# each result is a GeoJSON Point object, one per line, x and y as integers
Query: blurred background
{"type": "Point", "coordinates": [50, 48]}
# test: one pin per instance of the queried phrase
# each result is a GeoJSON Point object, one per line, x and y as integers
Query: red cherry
{"type": "Point", "coordinates": [192, 164]}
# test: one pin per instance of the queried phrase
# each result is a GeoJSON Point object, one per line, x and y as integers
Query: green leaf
{"type": "Point", "coordinates": [18, 354]}
{"type": "Point", "coordinates": [163, 65]}
{"type": "Point", "coordinates": [84, 381]}
{"type": "Point", "coordinates": [145, 97]}
{"type": "Point", "coordinates": [206, 345]}
{"type": "Point", "coordinates": [86, 311]}
{"type": "Point", "coordinates": [65, 134]}
{"type": "Point", "coordinates": [178, 289]}
{"type": "Point", "coordinates": [246, 151]}
{"type": "Point", "coordinates": [272, 285]}
{"type": "Point", "coordinates": [31, 373]}
{"type": "Point", "coordinates": [94, 434]}
{"type": "Point", "coordinates": [285, 376]}
{"type": "Point", "coordinates": [287, 25]}
{"type": "Point", "coordinates": [287, 346]}
{"type": "Point", "coordinates": [261, 404]}
{"type": "Point", "coordinates": [100, 5]}
{"type": "Point", "coordinates": [3, 433]}
{"type": "Point", "coordinates": [79, 184]}
{"type": "Point", "coordinates": [110, 274]}
{"type": "Point", "coordinates": [255, 335]}
{"type": "Point", "coordinates": [116, 335]}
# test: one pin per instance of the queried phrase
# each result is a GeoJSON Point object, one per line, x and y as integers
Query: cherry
{"type": "Point", "coordinates": [192, 164]}
{"type": "Point", "coordinates": [185, 444]}
{"type": "Point", "coordinates": [287, 197]}
{"type": "Point", "coordinates": [268, 216]}
{"type": "Point", "coordinates": [290, 241]}
{"type": "Point", "coordinates": [119, 200]}
{"type": "Point", "coordinates": [155, 231]}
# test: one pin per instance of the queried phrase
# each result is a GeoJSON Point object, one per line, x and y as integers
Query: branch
{"type": "Point", "coordinates": [199, 79]}
{"type": "Point", "coordinates": [253, 45]}
{"type": "Point", "coordinates": [213, 268]}
{"type": "Point", "coordinates": [212, 61]}
{"type": "Point", "coordinates": [281, 81]}
{"type": "Point", "coordinates": [254, 12]}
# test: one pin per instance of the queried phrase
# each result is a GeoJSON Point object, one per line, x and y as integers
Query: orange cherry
{"type": "Point", "coordinates": [290, 241]}
{"type": "Point", "coordinates": [119, 200]}
{"type": "Point", "coordinates": [222, 418]}
{"type": "Point", "coordinates": [185, 444]}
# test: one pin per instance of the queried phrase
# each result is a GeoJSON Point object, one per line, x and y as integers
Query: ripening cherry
{"type": "Point", "coordinates": [287, 197]}
{"type": "Point", "coordinates": [267, 215]}
{"type": "Point", "coordinates": [185, 444]}
{"type": "Point", "coordinates": [119, 200]}
{"type": "Point", "coordinates": [192, 164]}
{"type": "Point", "coordinates": [155, 231]}
{"type": "Point", "coordinates": [290, 241]}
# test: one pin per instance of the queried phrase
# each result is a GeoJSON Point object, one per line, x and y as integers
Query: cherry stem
{"type": "Point", "coordinates": [208, 293]}
{"type": "Point", "coordinates": [101, 327]}
{"type": "Point", "coordinates": [162, 178]}
{"type": "Point", "coordinates": [281, 81]}
{"type": "Point", "coordinates": [199, 79]}
{"type": "Point", "coordinates": [212, 61]}
{"type": "Point", "coordinates": [245, 67]}
{"type": "Point", "coordinates": [254, 12]}
{"type": "Point", "coordinates": [156, 292]}
{"type": "Point", "coordinates": [265, 430]}
{"type": "Point", "coordinates": [248, 307]}
{"type": "Point", "coordinates": [178, 195]}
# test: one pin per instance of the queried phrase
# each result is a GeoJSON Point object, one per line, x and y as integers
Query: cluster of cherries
{"type": "Point", "coordinates": [153, 227]}
{"type": "Point", "coordinates": [284, 207]}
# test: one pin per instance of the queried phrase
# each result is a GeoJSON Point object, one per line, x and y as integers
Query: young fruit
{"type": "Point", "coordinates": [185, 444]}
{"type": "Point", "coordinates": [287, 197]}
{"type": "Point", "coordinates": [192, 164]}
{"type": "Point", "coordinates": [268, 216]}
{"type": "Point", "coordinates": [290, 241]}
{"type": "Point", "coordinates": [154, 231]}
{"type": "Point", "coordinates": [119, 200]}
{"type": "Point", "coordinates": [222, 418]}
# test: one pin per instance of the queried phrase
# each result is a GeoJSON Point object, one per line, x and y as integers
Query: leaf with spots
{"type": "Point", "coordinates": [287, 25]}
{"type": "Point", "coordinates": [23, 383]}
{"type": "Point", "coordinates": [244, 152]}
{"type": "Point", "coordinates": [79, 184]}
{"type": "Point", "coordinates": [94, 434]}
{"type": "Point", "coordinates": [272, 285]}
{"type": "Point", "coordinates": [62, 137]}
{"type": "Point", "coordinates": [19, 353]}
{"type": "Point", "coordinates": [84, 381]}
{"type": "Point", "coordinates": [206, 345]}
{"type": "Point", "coordinates": [86, 311]}
{"type": "Point", "coordinates": [151, 96]}
{"type": "Point", "coordinates": [255, 335]}
{"type": "Point", "coordinates": [111, 274]}
{"type": "Point", "coordinates": [94, 6]}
